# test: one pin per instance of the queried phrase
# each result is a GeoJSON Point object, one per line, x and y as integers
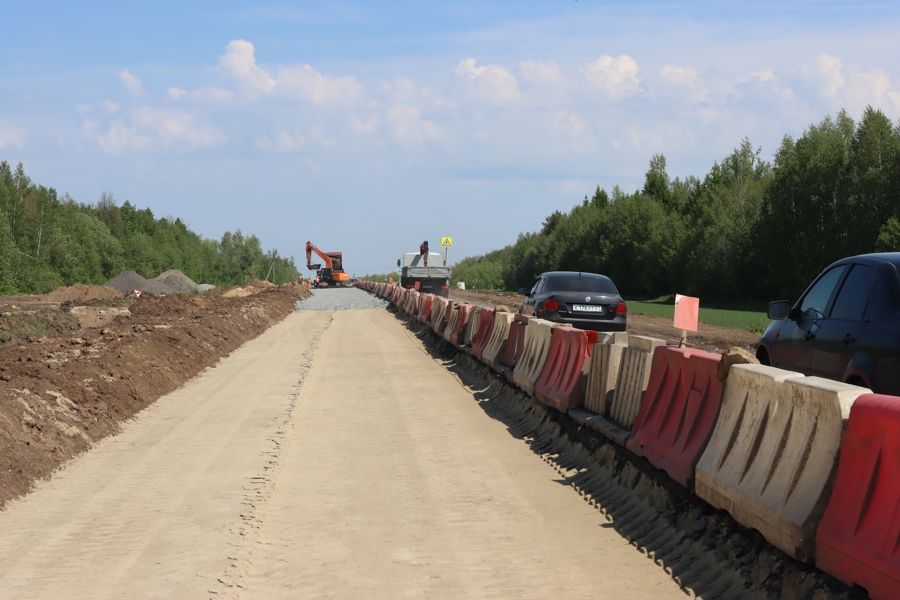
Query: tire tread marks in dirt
{"type": "Point", "coordinates": [262, 485]}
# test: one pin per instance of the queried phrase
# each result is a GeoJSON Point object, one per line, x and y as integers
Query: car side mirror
{"type": "Point", "coordinates": [779, 310]}
{"type": "Point", "coordinates": [523, 291]}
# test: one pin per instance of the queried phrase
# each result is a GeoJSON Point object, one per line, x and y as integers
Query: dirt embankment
{"type": "Point", "coordinates": [711, 338]}
{"type": "Point", "coordinates": [76, 363]}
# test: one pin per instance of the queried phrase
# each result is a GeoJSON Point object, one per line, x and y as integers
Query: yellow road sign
{"type": "Point", "coordinates": [446, 242]}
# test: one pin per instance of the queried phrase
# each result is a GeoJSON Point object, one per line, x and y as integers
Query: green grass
{"type": "Point", "coordinates": [746, 320]}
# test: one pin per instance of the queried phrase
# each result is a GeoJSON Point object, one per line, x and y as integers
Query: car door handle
{"type": "Point", "coordinates": [849, 339]}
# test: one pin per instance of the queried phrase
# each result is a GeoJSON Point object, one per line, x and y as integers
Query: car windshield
{"type": "Point", "coordinates": [582, 282]}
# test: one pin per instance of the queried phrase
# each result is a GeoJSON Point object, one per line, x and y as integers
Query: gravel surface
{"type": "Point", "coordinates": [341, 299]}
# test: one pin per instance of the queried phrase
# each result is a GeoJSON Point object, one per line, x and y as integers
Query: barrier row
{"type": "Point", "coordinates": [812, 464]}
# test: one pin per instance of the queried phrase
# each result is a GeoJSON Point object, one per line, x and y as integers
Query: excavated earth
{"type": "Point", "coordinates": [78, 362]}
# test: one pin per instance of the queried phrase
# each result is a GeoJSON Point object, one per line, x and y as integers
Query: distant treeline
{"type": "Point", "coordinates": [47, 241]}
{"type": "Point", "coordinates": [748, 230]}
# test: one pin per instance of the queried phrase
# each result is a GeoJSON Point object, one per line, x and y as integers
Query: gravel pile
{"type": "Point", "coordinates": [341, 299]}
{"type": "Point", "coordinates": [176, 281]}
{"type": "Point", "coordinates": [129, 280]}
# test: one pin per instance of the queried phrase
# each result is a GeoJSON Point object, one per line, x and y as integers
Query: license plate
{"type": "Point", "coordinates": [587, 308]}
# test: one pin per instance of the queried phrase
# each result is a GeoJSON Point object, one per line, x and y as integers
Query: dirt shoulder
{"type": "Point", "coordinates": [709, 337]}
{"type": "Point", "coordinates": [74, 366]}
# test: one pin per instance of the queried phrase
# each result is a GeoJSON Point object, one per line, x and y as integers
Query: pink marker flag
{"type": "Point", "coordinates": [687, 312]}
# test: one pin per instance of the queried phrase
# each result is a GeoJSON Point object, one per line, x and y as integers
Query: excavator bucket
{"type": "Point", "coordinates": [314, 267]}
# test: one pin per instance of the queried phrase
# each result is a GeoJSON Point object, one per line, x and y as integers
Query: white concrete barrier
{"type": "Point", "coordinates": [472, 326]}
{"type": "Point", "coordinates": [439, 314]}
{"type": "Point", "coordinates": [606, 357]}
{"type": "Point", "coordinates": [451, 322]}
{"type": "Point", "coordinates": [773, 451]}
{"type": "Point", "coordinates": [499, 336]}
{"type": "Point", "coordinates": [537, 344]}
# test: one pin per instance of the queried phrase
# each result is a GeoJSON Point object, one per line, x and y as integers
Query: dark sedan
{"type": "Point", "coordinates": [583, 300]}
{"type": "Point", "coordinates": [845, 326]}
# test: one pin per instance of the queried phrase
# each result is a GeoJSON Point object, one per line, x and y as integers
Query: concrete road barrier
{"type": "Point", "coordinates": [537, 345]}
{"type": "Point", "coordinates": [439, 314]}
{"type": "Point", "coordinates": [859, 536]}
{"type": "Point", "coordinates": [560, 382]}
{"type": "Point", "coordinates": [774, 451]}
{"type": "Point", "coordinates": [472, 326]}
{"type": "Point", "coordinates": [679, 411]}
{"type": "Point", "coordinates": [464, 313]}
{"type": "Point", "coordinates": [451, 322]}
{"type": "Point", "coordinates": [425, 310]}
{"type": "Point", "coordinates": [514, 347]}
{"type": "Point", "coordinates": [496, 346]}
{"type": "Point", "coordinates": [485, 329]}
{"type": "Point", "coordinates": [606, 357]}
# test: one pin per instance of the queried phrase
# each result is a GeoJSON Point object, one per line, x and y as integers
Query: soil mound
{"type": "Point", "coordinates": [82, 293]}
{"type": "Point", "coordinates": [129, 281]}
{"type": "Point", "coordinates": [258, 284]}
{"type": "Point", "coordinates": [177, 281]}
{"type": "Point", "coordinates": [238, 292]}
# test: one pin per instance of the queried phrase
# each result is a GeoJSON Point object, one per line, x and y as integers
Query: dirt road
{"type": "Point", "coordinates": [330, 457]}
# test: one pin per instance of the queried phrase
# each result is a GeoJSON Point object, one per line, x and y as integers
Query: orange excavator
{"type": "Point", "coordinates": [333, 271]}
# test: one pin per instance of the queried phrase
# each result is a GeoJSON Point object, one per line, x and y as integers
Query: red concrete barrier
{"type": "Point", "coordinates": [679, 411]}
{"type": "Point", "coordinates": [425, 311]}
{"type": "Point", "coordinates": [858, 538]}
{"type": "Point", "coordinates": [515, 345]}
{"type": "Point", "coordinates": [485, 329]}
{"type": "Point", "coordinates": [559, 384]}
{"type": "Point", "coordinates": [462, 319]}
{"type": "Point", "coordinates": [439, 308]}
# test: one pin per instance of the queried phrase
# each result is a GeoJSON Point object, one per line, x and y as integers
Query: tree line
{"type": "Point", "coordinates": [749, 230]}
{"type": "Point", "coordinates": [47, 241]}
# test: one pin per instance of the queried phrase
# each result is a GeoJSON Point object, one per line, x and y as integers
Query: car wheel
{"type": "Point", "coordinates": [762, 355]}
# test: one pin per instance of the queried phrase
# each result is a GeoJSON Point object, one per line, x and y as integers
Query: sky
{"type": "Point", "coordinates": [369, 127]}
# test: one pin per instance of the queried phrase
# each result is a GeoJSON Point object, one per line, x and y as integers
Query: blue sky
{"type": "Point", "coordinates": [368, 127]}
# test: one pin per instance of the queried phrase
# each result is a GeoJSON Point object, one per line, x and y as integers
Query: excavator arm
{"type": "Point", "coordinates": [310, 248]}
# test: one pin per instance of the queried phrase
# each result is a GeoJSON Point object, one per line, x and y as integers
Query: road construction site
{"type": "Point", "coordinates": [332, 454]}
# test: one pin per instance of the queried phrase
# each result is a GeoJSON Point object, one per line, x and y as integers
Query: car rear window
{"type": "Point", "coordinates": [584, 282]}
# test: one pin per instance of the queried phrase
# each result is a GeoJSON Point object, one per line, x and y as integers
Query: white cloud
{"type": "Point", "coordinates": [490, 84]}
{"type": "Point", "coordinates": [147, 127]}
{"type": "Point", "coordinates": [119, 137]}
{"type": "Point", "coordinates": [302, 82]}
{"type": "Point", "coordinates": [283, 142]}
{"type": "Point", "coordinates": [618, 76]}
{"type": "Point", "coordinates": [684, 78]}
{"type": "Point", "coordinates": [239, 62]}
{"type": "Point", "coordinates": [540, 73]}
{"type": "Point", "coordinates": [130, 83]}
{"type": "Point", "coordinates": [569, 122]}
{"type": "Point", "coordinates": [176, 93]}
{"type": "Point", "coordinates": [409, 126]}
{"type": "Point", "coordinates": [110, 107]}
{"type": "Point", "coordinates": [830, 69]}
{"type": "Point", "coordinates": [215, 95]}
{"type": "Point", "coordinates": [370, 125]}
{"type": "Point", "coordinates": [298, 82]}
{"type": "Point", "coordinates": [10, 135]}
{"type": "Point", "coordinates": [851, 87]}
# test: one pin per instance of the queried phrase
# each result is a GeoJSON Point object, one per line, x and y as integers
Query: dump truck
{"type": "Point", "coordinates": [425, 271]}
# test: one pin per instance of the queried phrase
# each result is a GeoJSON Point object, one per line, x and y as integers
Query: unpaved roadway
{"type": "Point", "coordinates": [331, 457]}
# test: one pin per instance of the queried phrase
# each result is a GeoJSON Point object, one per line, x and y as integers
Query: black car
{"type": "Point", "coordinates": [583, 300]}
{"type": "Point", "coordinates": [845, 326]}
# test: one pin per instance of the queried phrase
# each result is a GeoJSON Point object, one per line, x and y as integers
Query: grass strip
{"type": "Point", "coordinates": [745, 320]}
